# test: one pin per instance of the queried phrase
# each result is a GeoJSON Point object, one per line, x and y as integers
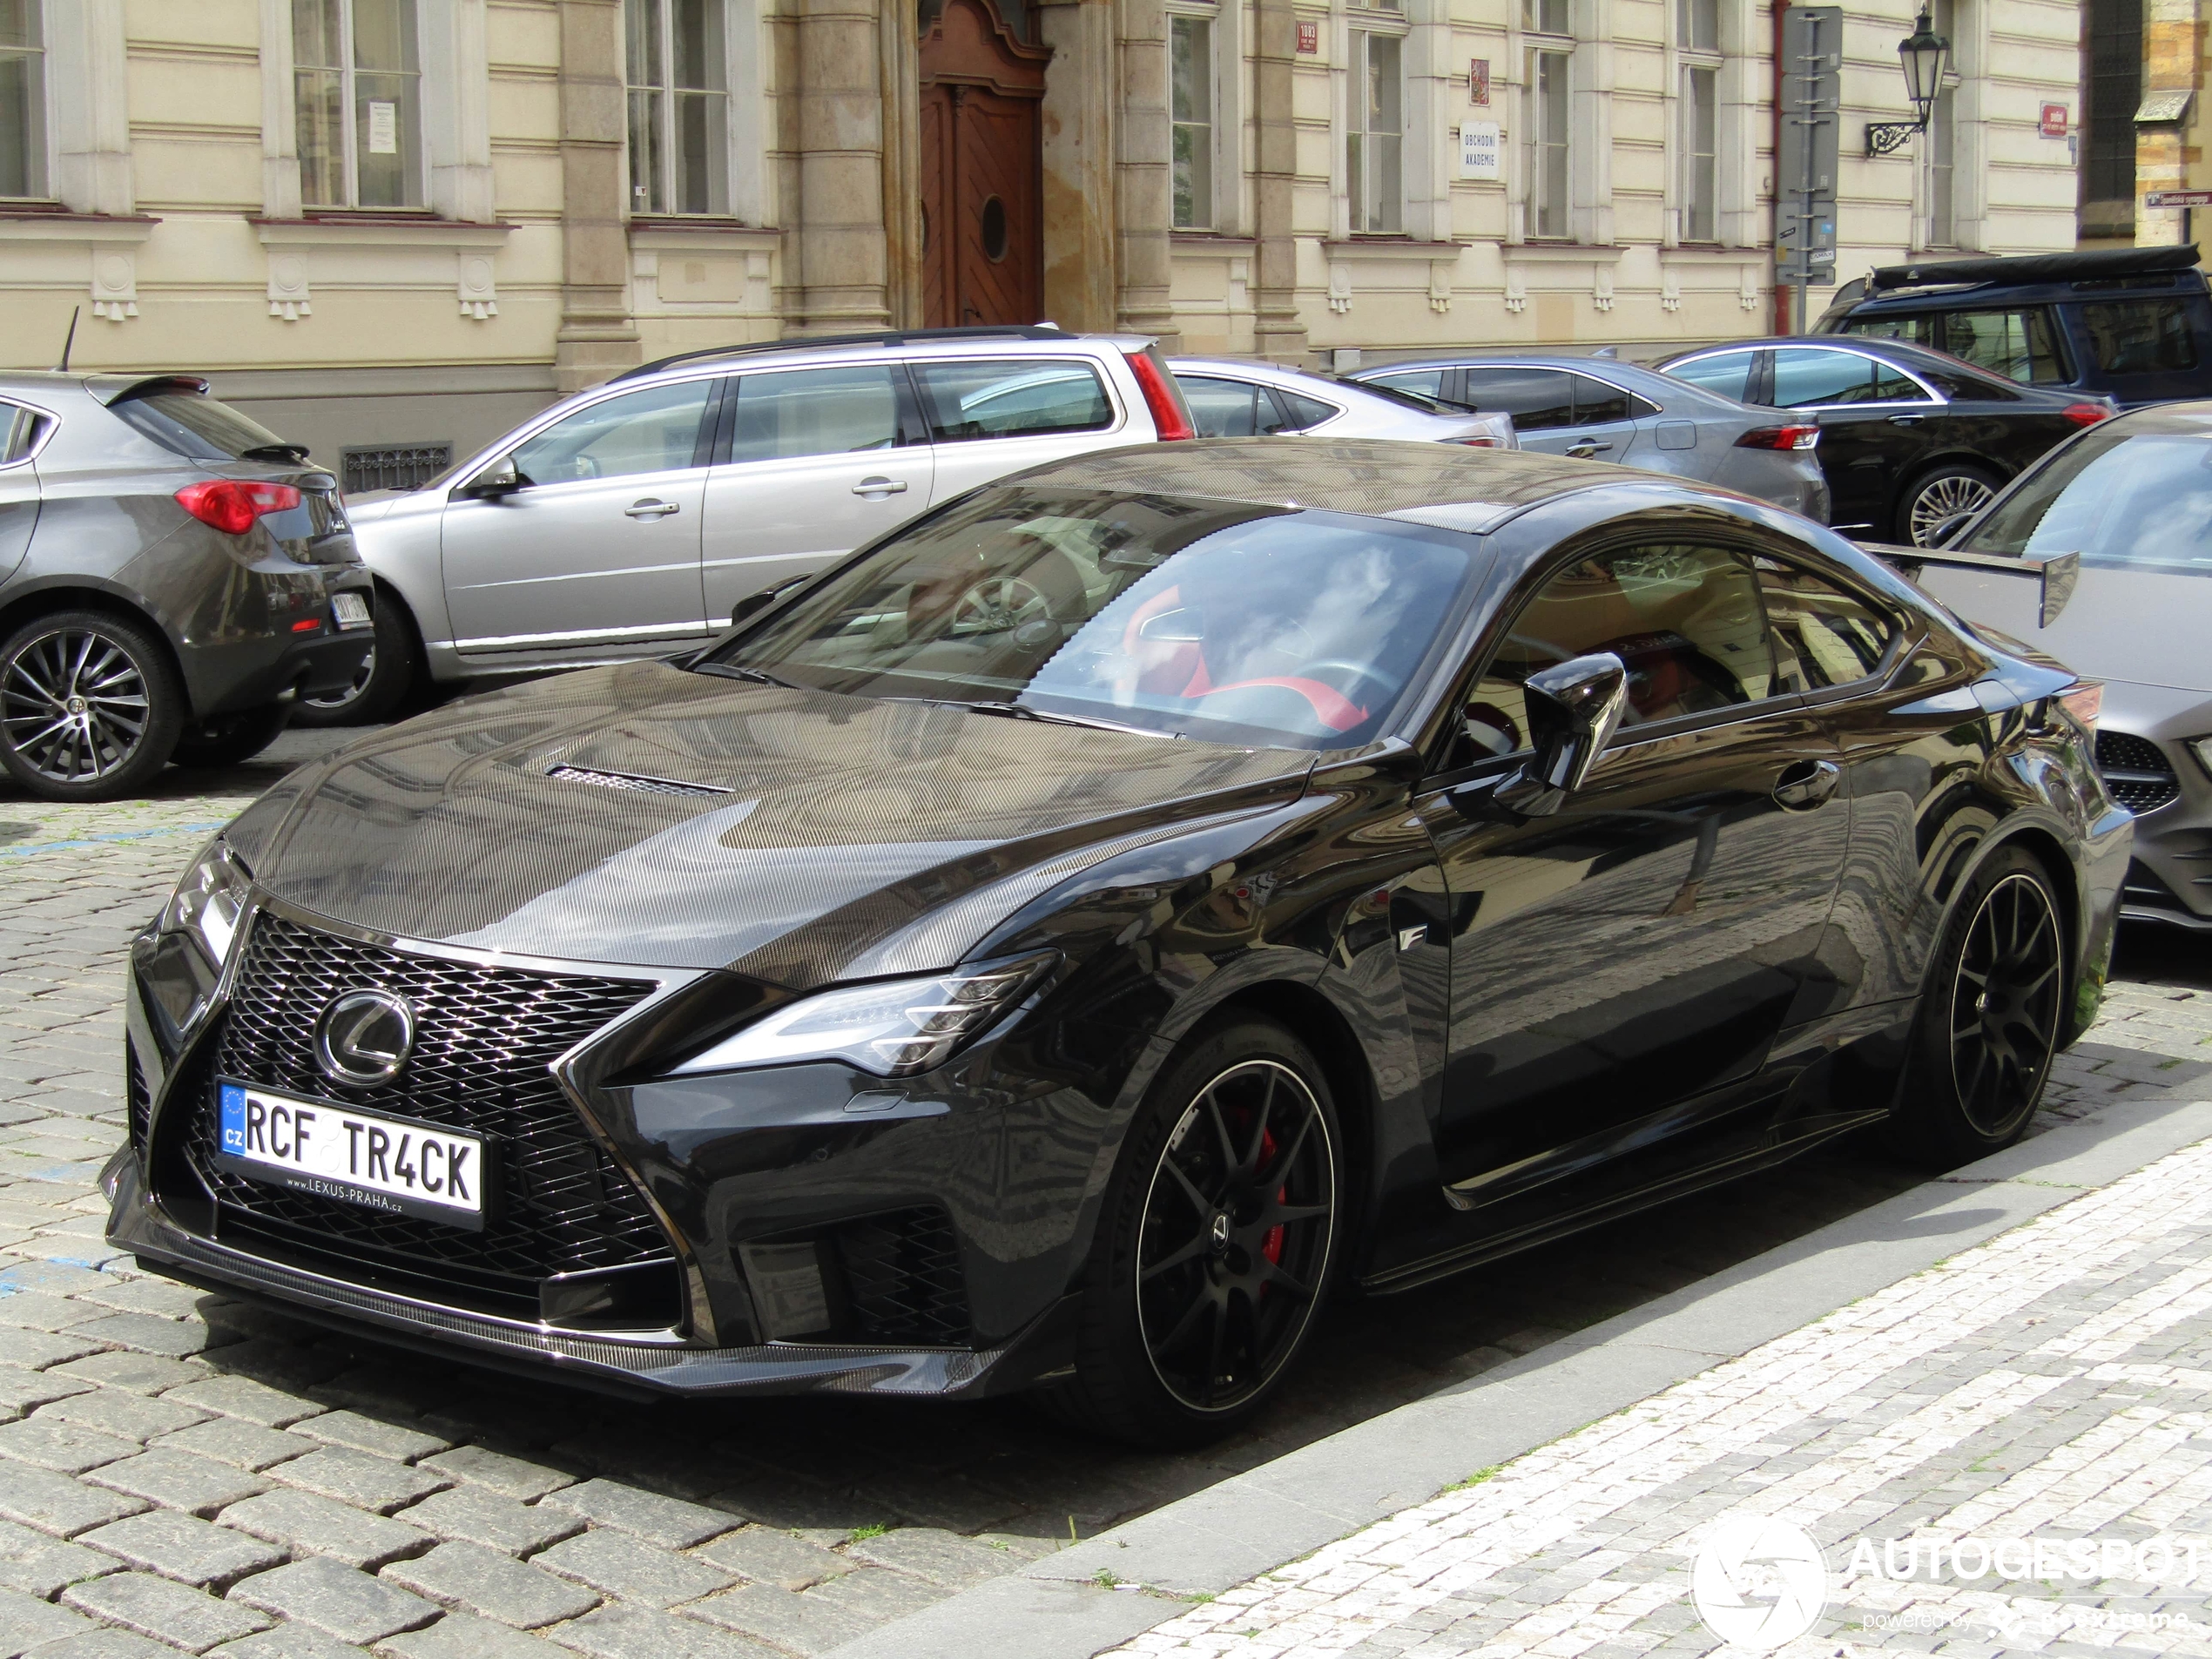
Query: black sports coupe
{"type": "Point", "coordinates": [1056, 946]}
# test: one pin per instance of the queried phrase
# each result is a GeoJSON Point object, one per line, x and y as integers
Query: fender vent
{"type": "Point", "coordinates": [633, 780]}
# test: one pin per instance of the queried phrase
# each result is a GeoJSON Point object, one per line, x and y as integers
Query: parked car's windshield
{"type": "Point", "coordinates": [1216, 620]}
{"type": "Point", "coordinates": [2142, 500]}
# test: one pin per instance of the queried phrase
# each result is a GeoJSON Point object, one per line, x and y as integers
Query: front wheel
{"type": "Point", "coordinates": [1989, 1018]}
{"type": "Point", "coordinates": [1944, 493]}
{"type": "Point", "coordinates": [1217, 1244]}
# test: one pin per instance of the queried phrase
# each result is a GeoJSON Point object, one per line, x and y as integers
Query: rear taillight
{"type": "Point", "coordinates": [1477, 442]}
{"type": "Point", "coordinates": [1780, 437]}
{"type": "Point", "coordinates": [2085, 701]}
{"type": "Point", "coordinates": [232, 504]}
{"type": "Point", "coordinates": [1170, 420]}
{"type": "Point", "coordinates": [2086, 414]}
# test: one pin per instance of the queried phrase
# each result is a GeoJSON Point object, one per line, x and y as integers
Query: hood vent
{"type": "Point", "coordinates": [633, 780]}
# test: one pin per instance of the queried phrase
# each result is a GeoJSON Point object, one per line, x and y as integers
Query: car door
{"type": "Point", "coordinates": [595, 550]}
{"type": "Point", "coordinates": [988, 417]}
{"type": "Point", "coordinates": [1617, 963]}
{"type": "Point", "coordinates": [1877, 425]}
{"type": "Point", "coordinates": [809, 463]}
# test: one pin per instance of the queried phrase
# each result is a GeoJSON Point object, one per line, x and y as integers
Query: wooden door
{"type": "Point", "coordinates": [981, 195]}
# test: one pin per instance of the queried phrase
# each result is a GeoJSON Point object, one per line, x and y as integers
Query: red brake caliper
{"type": "Point", "coordinates": [1271, 1246]}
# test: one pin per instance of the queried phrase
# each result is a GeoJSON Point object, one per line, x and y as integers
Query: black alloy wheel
{"type": "Point", "coordinates": [1217, 1247]}
{"type": "Point", "coordinates": [1942, 494]}
{"type": "Point", "coordinates": [1990, 1020]}
{"type": "Point", "coordinates": [90, 706]}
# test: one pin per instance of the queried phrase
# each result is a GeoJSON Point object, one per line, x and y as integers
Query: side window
{"type": "Point", "coordinates": [2018, 345]}
{"type": "Point", "coordinates": [1536, 398]}
{"type": "Point", "coordinates": [1806, 377]}
{"type": "Point", "coordinates": [655, 429]}
{"type": "Point", "coordinates": [1920, 330]}
{"type": "Point", "coordinates": [1684, 619]}
{"type": "Point", "coordinates": [2140, 336]}
{"type": "Point", "coordinates": [814, 412]}
{"type": "Point", "coordinates": [1597, 403]}
{"type": "Point", "coordinates": [1424, 382]}
{"type": "Point", "coordinates": [1223, 408]}
{"type": "Point", "coordinates": [1823, 636]}
{"type": "Point", "coordinates": [1011, 398]}
{"type": "Point", "coordinates": [1727, 373]}
{"type": "Point", "coordinates": [1302, 414]}
{"type": "Point", "coordinates": [1895, 386]}
{"type": "Point", "coordinates": [19, 430]}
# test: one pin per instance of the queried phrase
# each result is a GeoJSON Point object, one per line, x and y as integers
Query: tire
{"type": "Point", "coordinates": [1989, 1020]}
{"type": "Point", "coordinates": [129, 705]}
{"type": "Point", "coordinates": [387, 675]}
{"type": "Point", "coordinates": [1937, 495]}
{"type": "Point", "coordinates": [1216, 1246]}
{"type": "Point", "coordinates": [229, 738]}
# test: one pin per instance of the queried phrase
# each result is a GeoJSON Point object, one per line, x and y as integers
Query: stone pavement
{"type": "Point", "coordinates": [2051, 1385]}
{"type": "Point", "coordinates": [196, 1472]}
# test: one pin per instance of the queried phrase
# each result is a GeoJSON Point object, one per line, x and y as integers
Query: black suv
{"type": "Point", "coordinates": [2131, 324]}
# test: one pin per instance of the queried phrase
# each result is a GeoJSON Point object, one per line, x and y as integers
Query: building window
{"type": "Point", "coordinates": [1697, 43]}
{"type": "Point", "coordinates": [1190, 44]}
{"type": "Point", "coordinates": [357, 88]}
{"type": "Point", "coordinates": [1375, 134]}
{"type": "Point", "coordinates": [2116, 80]}
{"type": "Point", "coordinates": [1549, 133]}
{"type": "Point", "coordinates": [680, 106]}
{"type": "Point", "coordinates": [22, 99]}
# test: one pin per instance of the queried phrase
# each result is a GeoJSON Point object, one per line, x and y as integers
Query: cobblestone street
{"type": "Point", "coordinates": [177, 1469]}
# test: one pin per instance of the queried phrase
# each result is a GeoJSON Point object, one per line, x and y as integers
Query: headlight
{"type": "Point", "coordinates": [2201, 748]}
{"type": "Point", "coordinates": [208, 902]}
{"type": "Point", "coordinates": [893, 1027]}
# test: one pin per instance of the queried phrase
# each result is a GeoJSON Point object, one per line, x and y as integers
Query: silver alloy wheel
{"type": "Point", "coordinates": [350, 692]}
{"type": "Point", "coordinates": [74, 704]}
{"type": "Point", "coordinates": [1942, 498]}
{"type": "Point", "coordinates": [999, 605]}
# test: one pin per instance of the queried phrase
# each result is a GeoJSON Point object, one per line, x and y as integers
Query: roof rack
{"type": "Point", "coordinates": [2035, 267]}
{"type": "Point", "coordinates": [879, 337]}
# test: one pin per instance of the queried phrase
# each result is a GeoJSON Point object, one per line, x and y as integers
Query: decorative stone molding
{"type": "Point", "coordinates": [1340, 287]}
{"type": "Point", "coordinates": [1670, 291]}
{"type": "Point", "coordinates": [1601, 287]}
{"type": "Point", "coordinates": [60, 250]}
{"type": "Point", "coordinates": [1747, 288]}
{"type": "Point", "coordinates": [1441, 258]}
{"type": "Point", "coordinates": [364, 250]}
{"type": "Point", "coordinates": [707, 266]}
{"type": "Point", "coordinates": [1598, 258]}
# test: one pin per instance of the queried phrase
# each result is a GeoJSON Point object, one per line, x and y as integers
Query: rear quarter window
{"type": "Point", "coordinates": [1011, 397]}
{"type": "Point", "coordinates": [2141, 336]}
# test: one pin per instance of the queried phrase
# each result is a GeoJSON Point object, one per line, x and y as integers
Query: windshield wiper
{"type": "Point", "coordinates": [731, 672]}
{"type": "Point", "coordinates": [1023, 712]}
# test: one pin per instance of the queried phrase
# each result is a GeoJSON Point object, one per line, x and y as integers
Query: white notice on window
{"type": "Point", "coordinates": [383, 128]}
{"type": "Point", "coordinates": [1480, 154]}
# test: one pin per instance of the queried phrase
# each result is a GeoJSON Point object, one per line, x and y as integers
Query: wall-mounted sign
{"type": "Point", "coordinates": [2178, 199]}
{"type": "Point", "coordinates": [1479, 82]}
{"type": "Point", "coordinates": [1309, 39]}
{"type": "Point", "coordinates": [1481, 155]}
{"type": "Point", "coordinates": [2053, 124]}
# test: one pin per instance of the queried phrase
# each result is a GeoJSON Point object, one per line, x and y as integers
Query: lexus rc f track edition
{"type": "Point", "coordinates": [1058, 945]}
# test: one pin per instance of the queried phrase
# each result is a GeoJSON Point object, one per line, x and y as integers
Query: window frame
{"type": "Point", "coordinates": [1117, 410]}
{"type": "Point", "coordinates": [1538, 45]}
{"type": "Point", "coordinates": [39, 146]}
{"type": "Point", "coordinates": [1365, 23]}
{"type": "Point", "coordinates": [12, 410]}
{"type": "Point", "coordinates": [1209, 13]}
{"type": "Point", "coordinates": [723, 166]}
{"type": "Point", "coordinates": [418, 187]}
{"type": "Point", "coordinates": [1773, 365]}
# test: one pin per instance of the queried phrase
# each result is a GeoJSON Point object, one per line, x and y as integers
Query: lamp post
{"type": "Point", "coordinates": [1923, 53]}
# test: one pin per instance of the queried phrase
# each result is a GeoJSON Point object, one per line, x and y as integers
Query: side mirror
{"type": "Point", "coordinates": [500, 477]}
{"type": "Point", "coordinates": [1946, 528]}
{"type": "Point", "coordinates": [1185, 626]}
{"type": "Point", "coordinates": [753, 604]}
{"type": "Point", "coordinates": [1574, 708]}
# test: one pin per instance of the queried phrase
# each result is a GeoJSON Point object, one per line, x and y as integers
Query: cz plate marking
{"type": "Point", "coordinates": [334, 1151]}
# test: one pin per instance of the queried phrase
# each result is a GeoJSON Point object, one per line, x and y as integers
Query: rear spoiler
{"type": "Point", "coordinates": [2057, 574]}
{"type": "Point", "coordinates": [153, 385]}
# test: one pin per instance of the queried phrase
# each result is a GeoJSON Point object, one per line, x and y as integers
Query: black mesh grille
{"type": "Point", "coordinates": [2137, 773]}
{"type": "Point", "coordinates": [902, 1278]}
{"type": "Point", "coordinates": [484, 1039]}
{"type": "Point", "coordinates": [140, 1097]}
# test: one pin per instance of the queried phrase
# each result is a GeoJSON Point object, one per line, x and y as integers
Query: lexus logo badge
{"type": "Point", "coordinates": [364, 1037]}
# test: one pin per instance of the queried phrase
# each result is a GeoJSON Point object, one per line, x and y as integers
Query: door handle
{"type": "Point", "coordinates": [1907, 420]}
{"type": "Point", "coordinates": [1584, 451]}
{"type": "Point", "coordinates": [1807, 783]}
{"type": "Point", "coordinates": [880, 487]}
{"type": "Point", "coordinates": [651, 507]}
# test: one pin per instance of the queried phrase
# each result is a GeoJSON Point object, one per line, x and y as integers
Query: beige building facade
{"type": "Point", "coordinates": [395, 226]}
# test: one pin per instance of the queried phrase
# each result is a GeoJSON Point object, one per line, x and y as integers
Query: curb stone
{"type": "Point", "coordinates": [1253, 1522]}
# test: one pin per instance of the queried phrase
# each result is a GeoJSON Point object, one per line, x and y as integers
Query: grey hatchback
{"type": "Point", "coordinates": [172, 577]}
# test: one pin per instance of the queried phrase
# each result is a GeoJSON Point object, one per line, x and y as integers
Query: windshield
{"type": "Point", "coordinates": [2141, 501]}
{"type": "Point", "coordinates": [197, 426]}
{"type": "Point", "coordinates": [1217, 620]}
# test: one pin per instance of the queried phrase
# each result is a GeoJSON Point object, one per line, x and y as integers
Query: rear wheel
{"type": "Point", "coordinates": [90, 706]}
{"type": "Point", "coordinates": [1943, 493]}
{"type": "Point", "coordinates": [1989, 1018]}
{"type": "Point", "coordinates": [1217, 1244]}
{"type": "Point", "coordinates": [386, 675]}
{"type": "Point", "coordinates": [228, 739]}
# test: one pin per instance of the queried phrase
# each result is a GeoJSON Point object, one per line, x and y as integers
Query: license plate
{"type": "Point", "coordinates": [350, 609]}
{"type": "Point", "coordinates": [368, 1158]}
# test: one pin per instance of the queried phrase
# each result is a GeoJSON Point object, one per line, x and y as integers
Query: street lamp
{"type": "Point", "coordinates": [1922, 53]}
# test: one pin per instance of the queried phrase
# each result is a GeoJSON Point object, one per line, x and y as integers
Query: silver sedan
{"type": "Point", "coordinates": [1597, 408]}
{"type": "Point", "coordinates": [1233, 399]}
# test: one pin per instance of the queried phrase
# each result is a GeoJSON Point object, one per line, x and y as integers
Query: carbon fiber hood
{"type": "Point", "coordinates": [822, 825]}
